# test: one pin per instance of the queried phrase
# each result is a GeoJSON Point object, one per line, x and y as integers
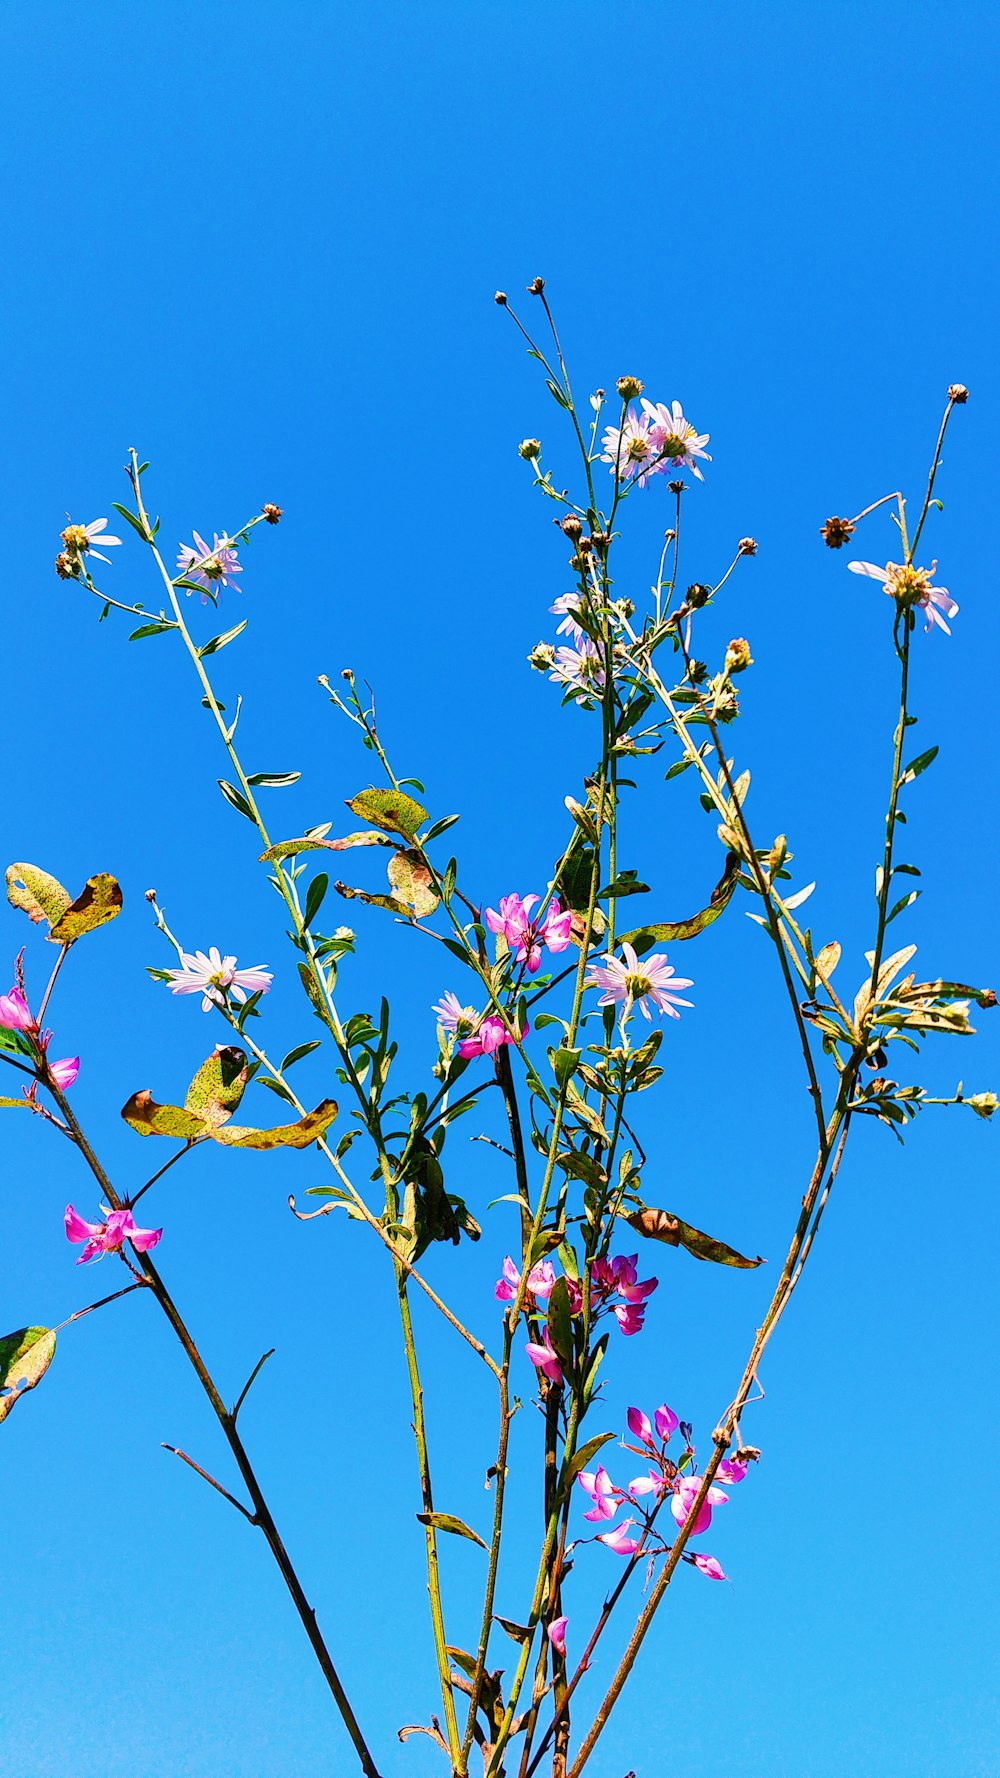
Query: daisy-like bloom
{"type": "Point", "coordinates": [709, 1565]}
{"type": "Point", "coordinates": [566, 607]}
{"type": "Point", "coordinates": [630, 981]}
{"type": "Point", "coordinates": [580, 668]}
{"type": "Point", "coordinates": [217, 978]}
{"type": "Point", "coordinates": [912, 586]}
{"type": "Point", "coordinates": [619, 1540]}
{"type": "Point", "coordinates": [64, 1072]}
{"type": "Point", "coordinates": [14, 1014]}
{"type": "Point", "coordinates": [684, 1495]}
{"type": "Point", "coordinates": [665, 1421]}
{"type": "Point", "coordinates": [218, 570]}
{"type": "Point", "coordinates": [556, 1634]}
{"type": "Point", "coordinates": [605, 1496]}
{"type": "Point", "coordinates": [674, 439]}
{"type": "Point", "coordinates": [525, 936]}
{"type": "Point", "coordinates": [80, 539]}
{"type": "Point", "coordinates": [545, 1357]}
{"type": "Point", "coordinates": [630, 449]}
{"type": "Point", "coordinates": [491, 1036]}
{"type": "Point", "coordinates": [108, 1236]}
{"type": "Point", "coordinates": [452, 1016]}
{"type": "Point", "coordinates": [541, 1281]}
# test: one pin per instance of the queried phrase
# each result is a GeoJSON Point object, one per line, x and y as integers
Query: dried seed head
{"type": "Point", "coordinates": [958, 393]}
{"type": "Point", "coordinates": [529, 448]}
{"type": "Point", "coordinates": [271, 513]}
{"type": "Point", "coordinates": [501, 298]}
{"type": "Point", "coordinates": [536, 286]}
{"type": "Point", "coordinates": [629, 388]}
{"type": "Point", "coordinates": [677, 487]}
{"type": "Point", "coordinates": [150, 894]}
{"type": "Point", "coordinates": [67, 566]}
{"type": "Point", "coordinates": [747, 546]}
{"type": "Point", "coordinates": [836, 532]}
{"type": "Point", "coordinates": [698, 595]}
{"type": "Point", "coordinates": [572, 526]}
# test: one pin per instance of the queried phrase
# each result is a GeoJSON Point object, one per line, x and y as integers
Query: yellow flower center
{"type": "Point", "coordinates": [75, 537]}
{"type": "Point", "coordinates": [907, 585]}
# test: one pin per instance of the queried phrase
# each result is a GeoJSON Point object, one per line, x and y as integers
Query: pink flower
{"type": "Point", "coordinates": [618, 1540]}
{"type": "Point", "coordinates": [630, 448]}
{"type": "Point", "coordinates": [730, 1471]}
{"type": "Point", "coordinates": [630, 1316]}
{"type": "Point", "coordinates": [64, 1072]}
{"type": "Point", "coordinates": [217, 978]}
{"type": "Point", "coordinates": [491, 1036]}
{"type": "Point", "coordinates": [541, 1281]}
{"type": "Point", "coordinates": [108, 1236]}
{"type": "Point", "coordinates": [556, 1634]}
{"type": "Point", "coordinates": [218, 567]}
{"type": "Point", "coordinates": [619, 1275]}
{"type": "Point", "coordinates": [630, 981]}
{"type": "Point", "coordinates": [653, 1483]}
{"type": "Point", "coordinates": [638, 1423]}
{"type": "Point", "coordinates": [605, 1496]}
{"type": "Point", "coordinates": [674, 439]}
{"type": "Point", "coordinates": [707, 1565]}
{"type": "Point", "coordinates": [526, 937]}
{"type": "Point", "coordinates": [14, 1014]}
{"type": "Point", "coordinates": [581, 668]}
{"type": "Point", "coordinates": [566, 607]}
{"type": "Point", "coordinates": [685, 1493]}
{"type": "Point", "coordinates": [912, 586]}
{"type": "Point", "coordinates": [665, 1421]}
{"type": "Point", "coordinates": [545, 1358]}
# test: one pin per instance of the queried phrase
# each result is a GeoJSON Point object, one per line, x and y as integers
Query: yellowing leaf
{"type": "Point", "coordinates": [38, 894]}
{"type": "Point", "coordinates": [389, 809]}
{"type": "Point", "coordinates": [298, 1135]}
{"type": "Point", "coordinates": [25, 1357]}
{"type": "Point", "coordinates": [99, 901]}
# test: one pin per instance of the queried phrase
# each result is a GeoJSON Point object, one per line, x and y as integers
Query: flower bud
{"type": "Point", "coordinates": [747, 546]}
{"type": "Point", "coordinates": [777, 855]}
{"type": "Point", "coordinates": [836, 532]}
{"type": "Point", "coordinates": [959, 394]}
{"type": "Point", "coordinates": [67, 566]}
{"type": "Point", "coordinates": [536, 286]}
{"type": "Point", "coordinates": [529, 448]}
{"type": "Point", "coordinates": [542, 657]}
{"type": "Point", "coordinates": [696, 672]}
{"type": "Point", "coordinates": [601, 539]}
{"type": "Point", "coordinates": [983, 1104]}
{"type": "Point", "coordinates": [629, 388]}
{"type": "Point", "coordinates": [698, 595]}
{"type": "Point", "coordinates": [271, 513]}
{"type": "Point", "coordinates": [738, 656]}
{"type": "Point", "coordinates": [571, 525]}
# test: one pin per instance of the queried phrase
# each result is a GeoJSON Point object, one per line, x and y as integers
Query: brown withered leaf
{"type": "Point", "coordinates": [99, 901]}
{"type": "Point", "coordinates": [659, 1225]}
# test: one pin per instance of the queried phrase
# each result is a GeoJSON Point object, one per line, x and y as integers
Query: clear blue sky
{"type": "Point", "coordinates": [260, 243]}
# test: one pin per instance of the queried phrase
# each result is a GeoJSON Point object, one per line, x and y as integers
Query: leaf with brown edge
{"type": "Point", "coordinates": [142, 1114]}
{"type": "Point", "coordinates": [99, 901]}
{"type": "Point", "coordinates": [389, 902]}
{"type": "Point", "coordinates": [659, 1225]}
{"type": "Point", "coordinates": [36, 893]}
{"type": "Point", "coordinates": [643, 938]}
{"type": "Point", "coordinates": [218, 1086]}
{"type": "Point", "coordinates": [25, 1357]}
{"type": "Point", "coordinates": [308, 1129]}
{"type": "Point", "coordinates": [289, 848]}
{"type": "Point", "coordinates": [412, 882]}
{"type": "Point", "coordinates": [391, 810]}
{"type": "Point", "coordinates": [448, 1522]}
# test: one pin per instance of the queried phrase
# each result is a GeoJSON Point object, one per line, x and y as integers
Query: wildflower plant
{"type": "Point", "coordinates": [559, 1009]}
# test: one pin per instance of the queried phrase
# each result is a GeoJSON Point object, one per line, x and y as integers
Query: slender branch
{"type": "Point", "coordinates": [250, 1517]}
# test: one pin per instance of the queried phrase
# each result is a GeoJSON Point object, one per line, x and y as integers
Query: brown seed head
{"type": "Point", "coordinates": [67, 566]}
{"type": "Point", "coordinates": [698, 595]}
{"type": "Point", "coordinates": [536, 286]}
{"type": "Point", "coordinates": [958, 393]}
{"type": "Point", "coordinates": [986, 998]}
{"type": "Point", "coordinates": [150, 894]}
{"type": "Point", "coordinates": [271, 513]}
{"type": "Point", "coordinates": [747, 546]}
{"type": "Point", "coordinates": [572, 526]}
{"type": "Point", "coordinates": [601, 539]}
{"type": "Point", "coordinates": [629, 388]}
{"type": "Point", "coordinates": [501, 298]}
{"type": "Point", "coordinates": [676, 487]}
{"type": "Point", "coordinates": [836, 532]}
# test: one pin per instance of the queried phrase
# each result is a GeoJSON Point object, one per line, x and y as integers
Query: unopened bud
{"type": "Point", "coordinates": [629, 388]}
{"type": "Point", "coordinates": [536, 286]}
{"type": "Point", "coordinates": [698, 595]}
{"type": "Point", "coordinates": [836, 532]}
{"type": "Point", "coordinates": [777, 855]}
{"type": "Point", "coordinates": [958, 393]}
{"type": "Point", "coordinates": [542, 657]}
{"type": "Point", "coordinates": [571, 525]}
{"type": "Point", "coordinates": [747, 546]}
{"type": "Point", "coordinates": [501, 298]}
{"type": "Point", "coordinates": [271, 513]}
{"type": "Point", "coordinates": [601, 539]}
{"type": "Point", "coordinates": [696, 671]}
{"type": "Point", "coordinates": [983, 1104]}
{"type": "Point", "coordinates": [348, 674]}
{"type": "Point", "coordinates": [67, 566]}
{"type": "Point", "coordinates": [738, 656]}
{"type": "Point", "coordinates": [529, 448]}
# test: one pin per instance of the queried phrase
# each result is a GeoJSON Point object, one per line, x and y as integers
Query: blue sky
{"type": "Point", "coordinates": [261, 245]}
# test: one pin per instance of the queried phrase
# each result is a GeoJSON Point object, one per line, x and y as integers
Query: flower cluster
{"type": "Point", "coordinates": [476, 1036]}
{"type": "Point", "coordinates": [526, 937]}
{"type": "Point", "coordinates": [654, 442]}
{"type": "Point", "coordinates": [664, 1479]}
{"type": "Point", "coordinates": [108, 1236]}
{"type": "Point", "coordinates": [609, 1278]}
{"type": "Point", "coordinates": [15, 1015]}
{"type": "Point", "coordinates": [217, 978]}
{"type": "Point", "coordinates": [209, 567]}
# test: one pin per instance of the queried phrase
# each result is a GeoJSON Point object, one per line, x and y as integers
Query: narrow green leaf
{"type": "Point", "coordinates": [918, 765]}
{"type": "Point", "coordinates": [238, 802]}
{"type": "Point", "coordinates": [314, 897]}
{"type": "Point", "coordinates": [440, 827]}
{"type": "Point", "coordinates": [130, 518]}
{"type": "Point", "coordinates": [583, 1456]}
{"type": "Point", "coordinates": [448, 1522]}
{"type": "Point", "coordinates": [296, 1055]}
{"type": "Point", "coordinates": [217, 642]}
{"type": "Point", "coordinates": [15, 1104]}
{"type": "Point", "coordinates": [153, 629]}
{"type": "Point", "coordinates": [273, 780]}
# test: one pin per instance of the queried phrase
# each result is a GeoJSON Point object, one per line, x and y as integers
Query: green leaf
{"type": "Point", "coordinates": [25, 1357]}
{"type": "Point", "coordinates": [307, 1130]}
{"type": "Point", "coordinates": [239, 802]}
{"type": "Point", "coordinates": [560, 1322]}
{"type": "Point", "coordinates": [410, 878]}
{"type": "Point", "coordinates": [273, 780]}
{"type": "Point", "coordinates": [217, 642]}
{"type": "Point", "coordinates": [904, 901]}
{"type": "Point", "coordinates": [314, 897]}
{"type": "Point", "coordinates": [659, 1225]}
{"type": "Point", "coordinates": [99, 901]}
{"type": "Point", "coordinates": [130, 518]}
{"type": "Point", "coordinates": [15, 1043]}
{"type": "Point", "coordinates": [918, 765]}
{"type": "Point", "coordinates": [564, 1064]}
{"type": "Point", "coordinates": [388, 809]}
{"type": "Point", "coordinates": [153, 629]}
{"type": "Point", "coordinates": [448, 1522]}
{"type": "Point", "coordinates": [36, 893]}
{"type": "Point", "coordinates": [300, 1050]}
{"type": "Point", "coordinates": [440, 827]}
{"type": "Point", "coordinates": [583, 1456]}
{"type": "Point", "coordinates": [218, 1086]}
{"type": "Point", "coordinates": [643, 938]}
{"type": "Point", "coordinates": [626, 883]}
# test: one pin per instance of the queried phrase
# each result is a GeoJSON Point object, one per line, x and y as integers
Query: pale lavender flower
{"type": "Point", "coordinates": [218, 567]}
{"type": "Point", "coordinates": [217, 978]}
{"type": "Point", "coordinates": [630, 448]}
{"type": "Point", "coordinates": [912, 586]}
{"type": "Point", "coordinates": [566, 607]}
{"type": "Point", "coordinates": [452, 1016]}
{"type": "Point", "coordinates": [581, 668]}
{"type": "Point", "coordinates": [619, 1540]}
{"type": "Point", "coordinates": [83, 537]}
{"type": "Point", "coordinates": [674, 439]}
{"type": "Point", "coordinates": [631, 981]}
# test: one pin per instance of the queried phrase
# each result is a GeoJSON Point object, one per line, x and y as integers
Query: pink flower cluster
{"type": "Point", "coordinates": [15, 1015]}
{"type": "Point", "coordinates": [108, 1236]}
{"type": "Point", "coordinates": [667, 1478]}
{"type": "Point", "coordinates": [477, 1036]}
{"type": "Point", "coordinates": [526, 937]}
{"type": "Point", "coordinates": [608, 1278]}
{"type": "Point", "coordinates": [654, 442]}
